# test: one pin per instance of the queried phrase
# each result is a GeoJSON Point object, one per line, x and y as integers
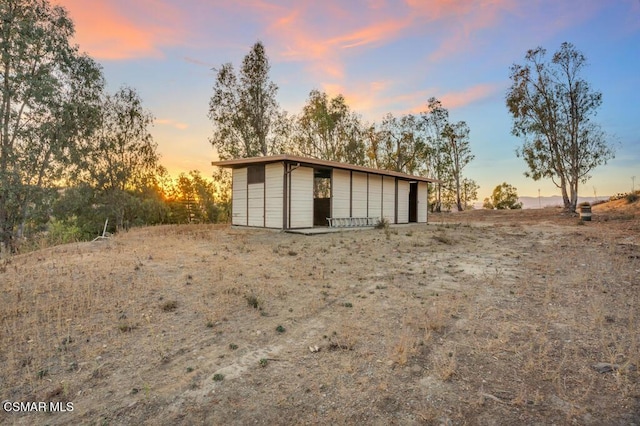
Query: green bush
{"type": "Point", "coordinates": [62, 232]}
{"type": "Point", "coordinates": [504, 197]}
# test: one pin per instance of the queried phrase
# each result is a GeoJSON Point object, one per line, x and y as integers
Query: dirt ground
{"type": "Point", "coordinates": [481, 317]}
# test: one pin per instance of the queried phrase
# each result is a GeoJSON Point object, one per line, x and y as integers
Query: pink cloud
{"type": "Point", "coordinates": [470, 95]}
{"type": "Point", "coordinates": [375, 32]}
{"type": "Point", "coordinates": [172, 123]}
{"type": "Point", "coordinates": [366, 97]}
{"type": "Point", "coordinates": [326, 37]}
{"type": "Point", "coordinates": [320, 35]}
{"type": "Point", "coordinates": [450, 100]}
{"type": "Point", "coordinates": [462, 20]}
{"type": "Point", "coordinates": [115, 30]}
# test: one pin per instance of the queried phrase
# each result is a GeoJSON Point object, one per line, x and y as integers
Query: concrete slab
{"type": "Point", "coordinates": [326, 230]}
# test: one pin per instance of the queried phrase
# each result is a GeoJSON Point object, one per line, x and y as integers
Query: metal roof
{"type": "Point", "coordinates": [305, 161]}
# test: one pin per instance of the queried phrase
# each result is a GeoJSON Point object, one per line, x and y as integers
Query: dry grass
{"type": "Point", "coordinates": [479, 318]}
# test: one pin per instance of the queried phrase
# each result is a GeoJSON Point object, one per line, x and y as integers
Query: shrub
{"type": "Point", "coordinates": [170, 305]}
{"type": "Point", "coordinates": [125, 327]}
{"type": "Point", "coordinates": [504, 197]}
{"type": "Point", "coordinates": [632, 197]}
{"type": "Point", "coordinates": [383, 223]}
{"type": "Point", "coordinates": [443, 239]}
{"type": "Point", "coordinates": [63, 233]}
{"type": "Point", "coordinates": [253, 301]}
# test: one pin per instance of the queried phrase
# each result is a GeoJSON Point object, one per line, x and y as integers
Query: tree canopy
{"type": "Point", "coordinates": [400, 144]}
{"type": "Point", "coordinates": [329, 130]}
{"type": "Point", "coordinates": [553, 107]}
{"type": "Point", "coordinates": [72, 155]}
{"type": "Point", "coordinates": [49, 96]}
{"type": "Point", "coordinates": [504, 197]}
{"type": "Point", "coordinates": [243, 108]}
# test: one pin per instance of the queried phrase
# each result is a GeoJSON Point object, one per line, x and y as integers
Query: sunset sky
{"type": "Point", "coordinates": [383, 56]}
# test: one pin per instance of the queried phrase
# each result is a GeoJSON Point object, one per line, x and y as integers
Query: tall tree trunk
{"type": "Point", "coordinates": [574, 196]}
{"type": "Point", "coordinates": [5, 229]}
{"type": "Point", "coordinates": [458, 197]}
{"type": "Point", "coordinates": [565, 196]}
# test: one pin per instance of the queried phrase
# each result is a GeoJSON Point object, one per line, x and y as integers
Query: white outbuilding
{"type": "Point", "coordinates": [290, 192]}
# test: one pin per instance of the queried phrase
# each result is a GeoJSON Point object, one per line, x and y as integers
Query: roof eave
{"type": "Point", "coordinates": [240, 162]}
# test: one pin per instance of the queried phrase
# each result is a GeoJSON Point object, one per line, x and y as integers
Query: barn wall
{"type": "Point", "coordinates": [273, 195]}
{"type": "Point", "coordinates": [422, 202]}
{"type": "Point", "coordinates": [359, 195]}
{"type": "Point", "coordinates": [301, 198]}
{"type": "Point", "coordinates": [255, 199]}
{"type": "Point", "coordinates": [340, 193]}
{"type": "Point", "coordinates": [354, 194]}
{"type": "Point", "coordinates": [375, 196]}
{"type": "Point", "coordinates": [403, 201]}
{"type": "Point", "coordinates": [389, 198]}
{"type": "Point", "coordinates": [239, 197]}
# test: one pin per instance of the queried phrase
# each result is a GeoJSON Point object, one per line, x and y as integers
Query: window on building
{"type": "Point", "coordinates": [255, 174]}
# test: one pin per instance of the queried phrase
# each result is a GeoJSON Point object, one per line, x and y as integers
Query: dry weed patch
{"type": "Point", "coordinates": [489, 317]}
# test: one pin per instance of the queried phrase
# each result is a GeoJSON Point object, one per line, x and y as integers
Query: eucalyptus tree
{"type": "Point", "coordinates": [448, 152]}
{"type": "Point", "coordinates": [49, 95]}
{"type": "Point", "coordinates": [459, 154]}
{"type": "Point", "coordinates": [329, 130]}
{"type": "Point", "coordinates": [121, 153]}
{"type": "Point", "coordinates": [243, 108]}
{"type": "Point", "coordinates": [552, 107]}
{"type": "Point", "coordinates": [436, 119]}
{"type": "Point", "coordinates": [119, 160]}
{"type": "Point", "coordinates": [469, 192]}
{"type": "Point", "coordinates": [400, 144]}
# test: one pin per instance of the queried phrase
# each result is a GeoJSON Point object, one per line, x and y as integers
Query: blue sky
{"type": "Point", "coordinates": [383, 56]}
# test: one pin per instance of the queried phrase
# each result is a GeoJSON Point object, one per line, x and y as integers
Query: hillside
{"type": "Point", "coordinates": [553, 201]}
{"type": "Point", "coordinates": [618, 208]}
{"type": "Point", "coordinates": [481, 317]}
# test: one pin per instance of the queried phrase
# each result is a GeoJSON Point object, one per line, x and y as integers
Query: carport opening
{"type": "Point", "coordinates": [413, 202]}
{"type": "Point", "coordinates": [321, 196]}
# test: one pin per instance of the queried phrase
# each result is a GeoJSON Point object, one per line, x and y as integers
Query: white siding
{"type": "Point", "coordinates": [256, 204]}
{"type": "Point", "coordinates": [340, 191]}
{"type": "Point", "coordinates": [375, 196]}
{"type": "Point", "coordinates": [359, 195]}
{"type": "Point", "coordinates": [239, 197]}
{"type": "Point", "coordinates": [403, 201]}
{"type": "Point", "coordinates": [273, 174]}
{"type": "Point", "coordinates": [389, 198]}
{"type": "Point", "coordinates": [301, 199]}
{"type": "Point", "coordinates": [422, 202]}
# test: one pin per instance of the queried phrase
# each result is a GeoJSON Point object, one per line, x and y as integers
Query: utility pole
{"type": "Point", "coordinates": [539, 199]}
{"type": "Point", "coordinates": [633, 184]}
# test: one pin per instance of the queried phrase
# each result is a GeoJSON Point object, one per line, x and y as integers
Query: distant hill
{"type": "Point", "coordinates": [542, 202]}
{"type": "Point", "coordinates": [553, 201]}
